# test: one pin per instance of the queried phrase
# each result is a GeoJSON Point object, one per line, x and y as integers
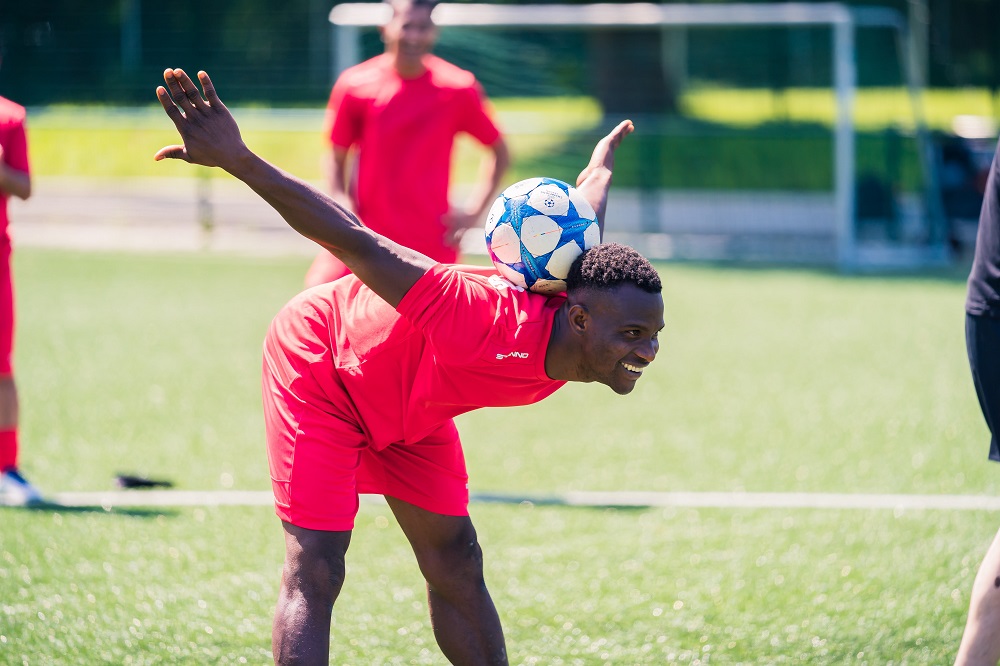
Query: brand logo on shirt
{"type": "Point", "coordinates": [498, 282]}
{"type": "Point", "coordinates": [513, 354]}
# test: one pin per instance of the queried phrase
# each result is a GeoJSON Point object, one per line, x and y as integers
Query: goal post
{"type": "Point", "coordinates": [349, 19]}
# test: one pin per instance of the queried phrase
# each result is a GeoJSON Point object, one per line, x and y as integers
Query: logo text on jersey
{"type": "Point", "coordinates": [513, 354]}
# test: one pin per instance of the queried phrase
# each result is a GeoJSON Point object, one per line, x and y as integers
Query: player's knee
{"type": "Point", "coordinates": [317, 574]}
{"type": "Point", "coordinates": [455, 566]}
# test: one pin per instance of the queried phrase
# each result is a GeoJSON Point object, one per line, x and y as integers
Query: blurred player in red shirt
{"type": "Point", "coordinates": [400, 113]}
{"type": "Point", "coordinates": [363, 376]}
{"type": "Point", "coordinates": [15, 180]}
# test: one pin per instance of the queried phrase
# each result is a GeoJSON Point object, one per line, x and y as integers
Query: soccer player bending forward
{"type": "Point", "coordinates": [363, 376]}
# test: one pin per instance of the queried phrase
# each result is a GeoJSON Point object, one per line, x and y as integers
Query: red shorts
{"type": "Point", "coordinates": [320, 459]}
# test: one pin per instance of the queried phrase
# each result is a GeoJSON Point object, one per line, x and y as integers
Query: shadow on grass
{"type": "Point", "coordinates": [53, 507]}
{"type": "Point", "coordinates": [487, 498]}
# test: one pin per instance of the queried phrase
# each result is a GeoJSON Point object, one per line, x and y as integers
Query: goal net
{"type": "Point", "coordinates": [775, 132]}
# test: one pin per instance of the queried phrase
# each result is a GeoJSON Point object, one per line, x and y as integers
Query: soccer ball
{"type": "Point", "coordinates": [534, 231]}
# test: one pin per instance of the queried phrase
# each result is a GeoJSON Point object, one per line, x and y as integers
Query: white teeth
{"type": "Point", "coordinates": [631, 368]}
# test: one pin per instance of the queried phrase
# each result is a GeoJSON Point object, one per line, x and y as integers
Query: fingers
{"type": "Point", "coordinates": [171, 152]}
{"type": "Point", "coordinates": [183, 91]}
{"type": "Point", "coordinates": [210, 94]}
{"type": "Point", "coordinates": [623, 129]}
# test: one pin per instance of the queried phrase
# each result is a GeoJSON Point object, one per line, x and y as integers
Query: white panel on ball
{"type": "Point", "coordinates": [560, 261]}
{"type": "Point", "coordinates": [522, 187]}
{"type": "Point", "coordinates": [496, 211]}
{"type": "Point", "coordinates": [511, 275]}
{"type": "Point", "coordinates": [540, 234]}
{"type": "Point", "coordinates": [549, 199]}
{"type": "Point", "coordinates": [583, 207]}
{"type": "Point", "coordinates": [505, 244]}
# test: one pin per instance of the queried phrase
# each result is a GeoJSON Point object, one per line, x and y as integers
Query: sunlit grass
{"type": "Point", "coordinates": [767, 380]}
{"type": "Point", "coordinates": [543, 133]}
{"type": "Point", "coordinates": [874, 108]}
{"type": "Point", "coordinates": [573, 586]}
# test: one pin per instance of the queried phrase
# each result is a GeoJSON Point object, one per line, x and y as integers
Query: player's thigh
{"type": "Point", "coordinates": [313, 452]}
{"type": "Point", "coordinates": [446, 547]}
{"type": "Point", "coordinates": [429, 474]}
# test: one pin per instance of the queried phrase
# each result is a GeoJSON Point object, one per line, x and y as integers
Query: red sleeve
{"type": "Point", "coordinates": [476, 117]}
{"type": "Point", "coordinates": [456, 311]}
{"type": "Point", "coordinates": [15, 147]}
{"type": "Point", "coordinates": [343, 118]}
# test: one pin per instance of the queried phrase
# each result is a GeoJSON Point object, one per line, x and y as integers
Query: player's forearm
{"type": "Point", "coordinates": [336, 176]}
{"type": "Point", "coordinates": [595, 189]}
{"type": "Point", "coordinates": [594, 181]}
{"type": "Point", "coordinates": [491, 171]}
{"type": "Point", "coordinates": [15, 182]}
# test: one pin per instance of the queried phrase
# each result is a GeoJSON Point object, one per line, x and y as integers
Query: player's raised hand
{"type": "Point", "coordinates": [604, 151]}
{"type": "Point", "coordinates": [595, 179]}
{"type": "Point", "coordinates": [209, 133]}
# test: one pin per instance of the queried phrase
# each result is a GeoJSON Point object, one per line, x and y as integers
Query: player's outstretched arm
{"type": "Point", "coordinates": [211, 137]}
{"type": "Point", "coordinates": [595, 180]}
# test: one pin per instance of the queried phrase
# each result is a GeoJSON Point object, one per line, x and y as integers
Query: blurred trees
{"type": "Point", "coordinates": [113, 51]}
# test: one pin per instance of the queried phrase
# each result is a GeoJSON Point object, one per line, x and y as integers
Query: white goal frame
{"type": "Point", "coordinates": [347, 20]}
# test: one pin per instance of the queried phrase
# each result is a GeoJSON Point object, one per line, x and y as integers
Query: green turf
{"type": "Point", "coordinates": [573, 586]}
{"type": "Point", "coordinates": [727, 139]}
{"type": "Point", "coordinates": [767, 380]}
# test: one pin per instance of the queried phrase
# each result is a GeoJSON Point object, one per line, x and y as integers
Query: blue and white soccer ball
{"type": "Point", "coordinates": [534, 231]}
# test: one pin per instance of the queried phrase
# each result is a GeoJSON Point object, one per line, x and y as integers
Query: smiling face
{"type": "Point", "coordinates": [409, 35]}
{"type": "Point", "coordinates": [618, 330]}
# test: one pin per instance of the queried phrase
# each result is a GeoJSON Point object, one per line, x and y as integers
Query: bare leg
{"type": "Point", "coordinates": [981, 640]}
{"type": "Point", "coordinates": [311, 581]}
{"type": "Point", "coordinates": [465, 622]}
{"type": "Point", "coordinates": [8, 403]}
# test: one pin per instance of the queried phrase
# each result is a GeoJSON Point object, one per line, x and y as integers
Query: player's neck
{"type": "Point", "coordinates": [409, 68]}
{"type": "Point", "coordinates": [560, 353]}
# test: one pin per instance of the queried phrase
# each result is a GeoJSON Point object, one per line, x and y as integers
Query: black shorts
{"type": "Point", "coordinates": [982, 341]}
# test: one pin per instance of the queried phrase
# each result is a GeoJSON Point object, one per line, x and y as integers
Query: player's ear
{"type": "Point", "coordinates": [579, 318]}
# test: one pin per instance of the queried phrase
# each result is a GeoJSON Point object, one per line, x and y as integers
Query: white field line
{"type": "Point", "coordinates": [736, 500]}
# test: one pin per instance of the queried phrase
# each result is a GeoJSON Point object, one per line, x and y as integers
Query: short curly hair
{"type": "Point", "coordinates": [608, 265]}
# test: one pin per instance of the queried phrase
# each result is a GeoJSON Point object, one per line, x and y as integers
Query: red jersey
{"type": "Point", "coordinates": [404, 131]}
{"type": "Point", "coordinates": [15, 149]}
{"type": "Point", "coordinates": [457, 341]}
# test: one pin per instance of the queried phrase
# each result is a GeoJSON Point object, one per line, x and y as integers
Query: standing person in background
{"type": "Point", "coordinates": [401, 111]}
{"type": "Point", "coordinates": [981, 640]}
{"type": "Point", "coordinates": [15, 179]}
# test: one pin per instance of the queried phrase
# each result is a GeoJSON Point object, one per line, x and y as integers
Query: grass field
{"type": "Point", "coordinates": [728, 139]}
{"type": "Point", "coordinates": [768, 380]}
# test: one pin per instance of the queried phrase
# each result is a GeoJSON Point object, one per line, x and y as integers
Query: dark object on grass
{"type": "Point", "coordinates": [132, 481]}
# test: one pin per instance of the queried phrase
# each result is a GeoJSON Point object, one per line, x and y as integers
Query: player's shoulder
{"type": "Point", "coordinates": [447, 75]}
{"type": "Point", "coordinates": [505, 290]}
{"type": "Point", "coordinates": [11, 112]}
{"type": "Point", "coordinates": [371, 72]}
